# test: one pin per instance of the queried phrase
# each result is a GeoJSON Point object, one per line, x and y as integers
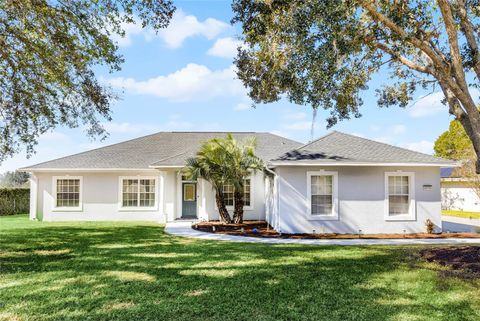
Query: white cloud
{"type": "Point", "coordinates": [428, 105]}
{"type": "Point", "coordinates": [224, 48]}
{"type": "Point", "coordinates": [181, 27]}
{"type": "Point", "coordinates": [193, 82]}
{"type": "Point", "coordinates": [423, 146]}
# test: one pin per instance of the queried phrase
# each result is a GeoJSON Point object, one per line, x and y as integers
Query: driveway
{"type": "Point", "coordinates": [459, 224]}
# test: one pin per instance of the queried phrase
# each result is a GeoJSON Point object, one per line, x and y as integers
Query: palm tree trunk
{"type": "Point", "coordinates": [222, 209]}
{"type": "Point", "coordinates": [238, 210]}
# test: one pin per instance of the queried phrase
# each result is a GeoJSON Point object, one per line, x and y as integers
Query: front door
{"type": "Point", "coordinates": [189, 200]}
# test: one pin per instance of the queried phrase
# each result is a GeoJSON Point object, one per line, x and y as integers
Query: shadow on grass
{"type": "Point", "coordinates": [128, 272]}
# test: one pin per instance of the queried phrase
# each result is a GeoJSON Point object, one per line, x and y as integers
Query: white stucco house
{"type": "Point", "coordinates": [338, 183]}
{"type": "Point", "coordinates": [457, 192]}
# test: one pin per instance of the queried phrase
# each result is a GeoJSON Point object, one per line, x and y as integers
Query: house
{"type": "Point", "coordinates": [339, 183]}
{"type": "Point", "coordinates": [459, 193]}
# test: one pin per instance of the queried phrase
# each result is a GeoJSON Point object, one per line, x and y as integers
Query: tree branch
{"type": "Point", "coordinates": [407, 62]}
{"type": "Point", "coordinates": [422, 45]}
{"type": "Point", "coordinates": [469, 32]}
{"type": "Point", "coordinates": [457, 63]}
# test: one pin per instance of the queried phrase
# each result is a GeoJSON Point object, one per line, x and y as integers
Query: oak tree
{"type": "Point", "coordinates": [323, 53]}
{"type": "Point", "coordinates": [50, 51]}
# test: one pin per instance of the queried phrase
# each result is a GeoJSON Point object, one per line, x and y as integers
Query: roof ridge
{"type": "Point", "coordinates": [164, 159]}
{"type": "Point", "coordinates": [317, 139]}
{"type": "Point", "coordinates": [390, 145]}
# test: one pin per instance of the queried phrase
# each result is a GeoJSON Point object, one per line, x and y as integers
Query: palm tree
{"type": "Point", "coordinates": [209, 164]}
{"type": "Point", "coordinates": [241, 163]}
{"type": "Point", "coordinates": [223, 161]}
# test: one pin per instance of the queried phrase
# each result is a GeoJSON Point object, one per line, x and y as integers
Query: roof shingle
{"type": "Point", "coordinates": [161, 149]}
{"type": "Point", "coordinates": [341, 148]}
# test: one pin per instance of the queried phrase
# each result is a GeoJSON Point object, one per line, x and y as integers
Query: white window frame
{"type": "Point", "coordinates": [78, 208]}
{"type": "Point", "coordinates": [334, 215]}
{"type": "Point", "coordinates": [411, 216]}
{"type": "Point", "coordinates": [245, 207]}
{"type": "Point", "coordinates": [136, 208]}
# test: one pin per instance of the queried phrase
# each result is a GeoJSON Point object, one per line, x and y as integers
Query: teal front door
{"type": "Point", "coordinates": [189, 200]}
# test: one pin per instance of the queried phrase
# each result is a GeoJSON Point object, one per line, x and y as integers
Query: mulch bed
{"type": "Point", "coordinates": [457, 258]}
{"type": "Point", "coordinates": [262, 229]}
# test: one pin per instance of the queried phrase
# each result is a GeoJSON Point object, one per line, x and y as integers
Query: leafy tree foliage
{"type": "Point", "coordinates": [48, 53]}
{"type": "Point", "coordinates": [454, 143]}
{"type": "Point", "coordinates": [223, 161]}
{"type": "Point", "coordinates": [323, 53]}
{"type": "Point", "coordinates": [14, 179]}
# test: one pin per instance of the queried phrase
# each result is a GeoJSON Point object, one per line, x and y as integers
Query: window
{"type": "Point", "coordinates": [67, 192]}
{"type": "Point", "coordinates": [138, 192]}
{"type": "Point", "coordinates": [322, 195]}
{"type": "Point", "coordinates": [228, 191]}
{"type": "Point", "coordinates": [399, 196]}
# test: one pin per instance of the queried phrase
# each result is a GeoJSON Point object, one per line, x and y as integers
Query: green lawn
{"type": "Point", "coordinates": [473, 215]}
{"type": "Point", "coordinates": [134, 271]}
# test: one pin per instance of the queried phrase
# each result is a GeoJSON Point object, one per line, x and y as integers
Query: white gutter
{"type": "Point", "coordinates": [300, 163]}
{"type": "Point", "coordinates": [39, 170]}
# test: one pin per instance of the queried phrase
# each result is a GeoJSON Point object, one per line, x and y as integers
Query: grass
{"type": "Point", "coordinates": [470, 215]}
{"type": "Point", "coordinates": [134, 271]}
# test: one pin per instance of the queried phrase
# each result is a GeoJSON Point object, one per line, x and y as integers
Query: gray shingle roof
{"type": "Point", "coordinates": [337, 147]}
{"type": "Point", "coordinates": [162, 149]}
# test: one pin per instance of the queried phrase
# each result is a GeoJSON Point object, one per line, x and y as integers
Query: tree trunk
{"type": "Point", "coordinates": [471, 124]}
{"type": "Point", "coordinates": [238, 210]}
{"type": "Point", "coordinates": [222, 209]}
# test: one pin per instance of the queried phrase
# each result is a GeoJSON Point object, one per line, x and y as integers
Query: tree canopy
{"type": "Point", "coordinates": [49, 51]}
{"type": "Point", "coordinates": [323, 53]}
{"type": "Point", "coordinates": [454, 143]}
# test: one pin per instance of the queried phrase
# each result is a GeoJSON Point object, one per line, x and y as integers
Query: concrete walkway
{"type": "Point", "coordinates": [183, 228]}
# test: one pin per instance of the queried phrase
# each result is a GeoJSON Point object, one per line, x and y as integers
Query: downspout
{"type": "Point", "coordinates": [33, 196]}
{"type": "Point", "coordinates": [276, 205]}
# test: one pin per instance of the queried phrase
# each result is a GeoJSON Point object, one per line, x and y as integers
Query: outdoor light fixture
{"type": "Point", "coordinates": [359, 233]}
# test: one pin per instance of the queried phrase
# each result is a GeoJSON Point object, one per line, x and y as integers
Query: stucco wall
{"type": "Point", "coordinates": [457, 196]}
{"type": "Point", "coordinates": [257, 212]}
{"type": "Point", "coordinates": [361, 193]}
{"type": "Point", "coordinates": [100, 199]}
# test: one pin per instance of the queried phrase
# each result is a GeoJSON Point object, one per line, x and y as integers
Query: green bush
{"type": "Point", "coordinates": [14, 201]}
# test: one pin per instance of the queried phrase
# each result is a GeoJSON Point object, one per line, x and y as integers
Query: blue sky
{"type": "Point", "coordinates": [183, 80]}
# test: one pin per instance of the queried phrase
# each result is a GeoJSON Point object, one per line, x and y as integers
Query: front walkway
{"type": "Point", "coordinates": [183, 228]}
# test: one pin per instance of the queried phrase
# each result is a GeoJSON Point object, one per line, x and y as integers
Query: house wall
{"type": "Point", "coordinates": [458, 196]}
{"type": "Point", "coordinates": [100, 198]}
{"type": "Point", "coordinates": [257, 210]}
{"type": "Point", "coordinates": [361, 193]}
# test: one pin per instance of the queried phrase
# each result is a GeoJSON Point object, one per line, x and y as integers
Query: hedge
{"type": "Point", "coordinates": [14, 201]}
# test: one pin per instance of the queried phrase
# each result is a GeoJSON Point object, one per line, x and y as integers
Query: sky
{"type": "Point", "coordinates": [183, 79]}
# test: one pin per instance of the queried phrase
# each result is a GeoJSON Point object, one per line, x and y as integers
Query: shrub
{"type": "Point", "coordinates": [429, 226]}
{"type": "Point", "coordinates": [14, 201]}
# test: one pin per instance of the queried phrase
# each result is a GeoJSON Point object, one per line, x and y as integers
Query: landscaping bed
{"type": "Point", "coordinates": [457, 258]}
{"type": "Point", "coordinates": [262, 229]}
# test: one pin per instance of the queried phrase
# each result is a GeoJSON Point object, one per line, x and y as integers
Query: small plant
{"type": "Point", "coordinates": [429, 226]}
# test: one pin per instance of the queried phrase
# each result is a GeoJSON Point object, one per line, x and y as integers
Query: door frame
{"type": "Point", "coordinates": [179, 211]}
